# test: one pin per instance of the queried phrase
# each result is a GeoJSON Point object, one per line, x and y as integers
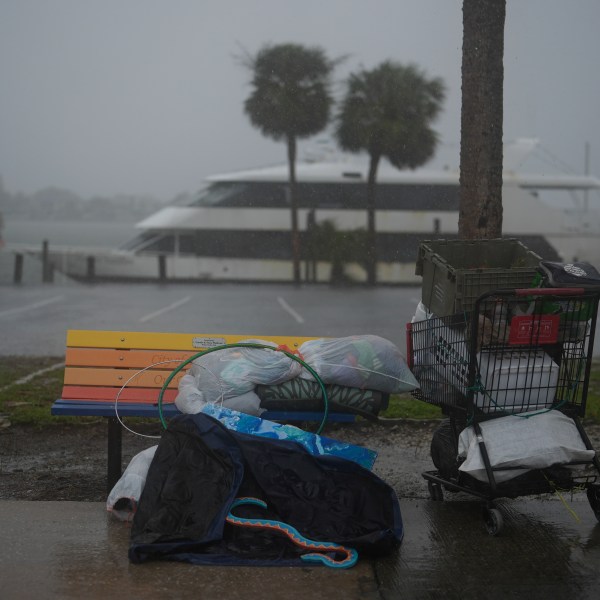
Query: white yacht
{"type": "Point", "coordinates": [238, 226]}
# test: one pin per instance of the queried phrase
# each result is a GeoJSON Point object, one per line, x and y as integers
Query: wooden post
{"type": "Point", "coordinates": [91, 267]}
{"type": "Point", "coordinates": [162, 267]}
{"type": "Point", "coordinates": [46, 276]}
{"type": "Point", "coordinates": [18, 272]}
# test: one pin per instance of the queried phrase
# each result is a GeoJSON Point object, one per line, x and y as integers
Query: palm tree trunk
{"type": "Point", "coordinates": [480, 215]}
{"type": "Point", "coordinates": [291, 147]}
{"type": "Point", "coordinates": [371, 233]}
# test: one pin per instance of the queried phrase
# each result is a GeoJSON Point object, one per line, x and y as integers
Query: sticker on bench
{"type": "Point", "coordinates": [208, 342]}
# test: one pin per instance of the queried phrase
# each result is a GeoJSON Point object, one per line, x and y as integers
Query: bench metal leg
{"type": "Point", "coordinates": [114, 453]}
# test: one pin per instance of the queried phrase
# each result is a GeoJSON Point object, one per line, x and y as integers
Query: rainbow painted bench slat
{"type": "Point", "coordinates": [99, 363]}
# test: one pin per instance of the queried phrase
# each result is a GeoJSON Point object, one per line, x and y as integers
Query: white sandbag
{"type": "Point", "coordinates": [539, 441]}
{"type": "Point", "coordinates": [225, 374]}
{"type": "Point", "coordinates": [361, 361]}
{"type": "Point", "coordinates": [123, 499]}
{"type": "Point", "coordinates": [191, 400]}
{"type": "Point", "coordinates": [248, 403]}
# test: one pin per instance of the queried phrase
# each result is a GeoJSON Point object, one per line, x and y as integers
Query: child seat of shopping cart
{"type": "Point", "coordinates": [511, 376]}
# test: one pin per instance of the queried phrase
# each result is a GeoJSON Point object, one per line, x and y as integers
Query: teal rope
{"type": "Point", "coordinates": [319, 550]}
{"type": "Point", "coordinates": [245, 345]}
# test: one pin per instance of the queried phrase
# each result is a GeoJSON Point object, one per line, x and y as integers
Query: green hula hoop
{"type": "Point", "coordinates": [245, 345]}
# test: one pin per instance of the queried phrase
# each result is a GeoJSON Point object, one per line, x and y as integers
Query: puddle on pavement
{"type": "Point", "coordinates": [542, 551]}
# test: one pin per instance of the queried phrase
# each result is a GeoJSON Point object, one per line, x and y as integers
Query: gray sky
{"type": "Point", "coordinates": [145, 96]}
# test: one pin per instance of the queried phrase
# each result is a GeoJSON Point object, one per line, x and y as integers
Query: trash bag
{"type": "Point", "coordinates": [519, 443]}
{"type": "Point", "coordinates": [577, 274]}
{"type": "Point", "coordinates": [123, 499]}
{"type": "Point", "coordinates": [444, 450]}
{"type": "Point", "coordinates": [421, 313]}
{"type": "Point", "coordinates": [232, 372]}
{"type": "Point", "coordinates": [191, 400]}
{"type": "Point", "coordinates": [361, 361]}
{"type": "Point", "coordinates": [437, 389]}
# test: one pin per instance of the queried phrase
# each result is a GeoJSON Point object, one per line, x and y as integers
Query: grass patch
{"type": "Point", "coordinates": [29, 402]}
{"type": "Point", "coordinates": [404, 406]}
{"type": "Point", "coordinates": [13, 368]}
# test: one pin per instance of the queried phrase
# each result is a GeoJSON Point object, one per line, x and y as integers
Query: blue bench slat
{"type": "Point", "coordinates": [73, 408]}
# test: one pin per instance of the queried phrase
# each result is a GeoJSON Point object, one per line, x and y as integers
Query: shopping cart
{"type": "Point", "coordinates": [512, 372]}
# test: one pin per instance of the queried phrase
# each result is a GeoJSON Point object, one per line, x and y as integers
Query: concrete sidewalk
{"type": "Point", "coordinates": [74, 550]}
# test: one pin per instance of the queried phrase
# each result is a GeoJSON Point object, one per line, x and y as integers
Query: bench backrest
{"type": "Point", "coordinates": [99, 363]}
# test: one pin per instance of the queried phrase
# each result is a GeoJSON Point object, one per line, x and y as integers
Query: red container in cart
{"type": "Point", "coordinates": [512, 378]}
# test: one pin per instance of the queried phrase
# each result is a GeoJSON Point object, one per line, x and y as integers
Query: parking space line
{"type": "Point", "coordinates": [27, 378]}
{"type": "Point", "coordinates": [35, 305]}
{"type": "Point", "coordinates": [165, 309]}
{"type": "Point", "coordinates": [290, 310]}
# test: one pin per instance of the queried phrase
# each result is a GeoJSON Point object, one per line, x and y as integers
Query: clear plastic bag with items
{"type": "Point", "coordinates": [361, 361]}
{"type": "Point", "coordinates": [229, 376]}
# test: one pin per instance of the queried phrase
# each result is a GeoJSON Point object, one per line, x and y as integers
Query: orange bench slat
{"type": "Point", "coordinates": [119, 377]}
{"type": "Point", "coordinates": [109, 394]}
{"type": "Point", "coordinates": [104, 357]}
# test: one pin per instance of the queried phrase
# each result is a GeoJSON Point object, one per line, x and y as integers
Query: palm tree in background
{"type": "Point", "coordinates": [387, 112]}
{"type": "Point", "coordinates": [290, 100]}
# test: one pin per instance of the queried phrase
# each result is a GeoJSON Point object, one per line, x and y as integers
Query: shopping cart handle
{"type": "Point", "coordinates": [549, 292]}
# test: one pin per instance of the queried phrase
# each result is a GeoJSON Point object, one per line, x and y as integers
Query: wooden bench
{"type": "Point", "coordinates": [99, 363]}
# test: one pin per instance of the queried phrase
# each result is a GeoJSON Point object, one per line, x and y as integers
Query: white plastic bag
{"type": "Point", "coordinates": [233, 373]}
{"type": "Point", "coordinates": [361, 361]}
{"type": "Point", "coordinates": [539, 441]}
{"type": "Point", "coordinates": [123, 499]}
{"type": "Point", "coordinates": [421, 313]}
{"type": "Point", "coordinates": [191, 400]}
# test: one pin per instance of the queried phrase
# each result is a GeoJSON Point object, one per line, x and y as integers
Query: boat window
{"type": "Point", "coordinates": [417, 197]}
{"type": "Point", "coordinates": [388, 196]}
{"type": "Point", "coordinates": [217, 193]}
{"type": "Point", "coordinates": [140, 241]}
{"type": "Point", "coordinates": [247, 243]}
{"type": "Point", "coordinates": [276, 245]}
{"type": "Point", "coordinates": [351, 196]}
{"type": "Point", "coordinates": [244, 194]}
{"type": "Point", "coordinates": [332, 195]}
{"type": "Point", "coordinates": [151, 242]}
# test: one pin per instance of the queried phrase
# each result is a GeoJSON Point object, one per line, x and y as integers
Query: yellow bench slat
{"type": "Point", "coordinates": [81, 338]}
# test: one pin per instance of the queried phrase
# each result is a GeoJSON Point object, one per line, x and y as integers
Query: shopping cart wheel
{"type": "Point", "coordinates": [435, 491]}
{"type": "Point", "coordinates": [593, 494]}
{"type": "Point", "coordinates": [493, 520]}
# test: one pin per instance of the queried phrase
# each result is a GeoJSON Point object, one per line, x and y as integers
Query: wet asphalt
{"type": "Point", "coordinates": [34, 318]}
{"type": "Point", "coordinates": [549, 547]}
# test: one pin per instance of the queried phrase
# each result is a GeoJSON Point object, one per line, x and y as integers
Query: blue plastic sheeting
{"type": "Point", "coordinates": [315, 444]}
